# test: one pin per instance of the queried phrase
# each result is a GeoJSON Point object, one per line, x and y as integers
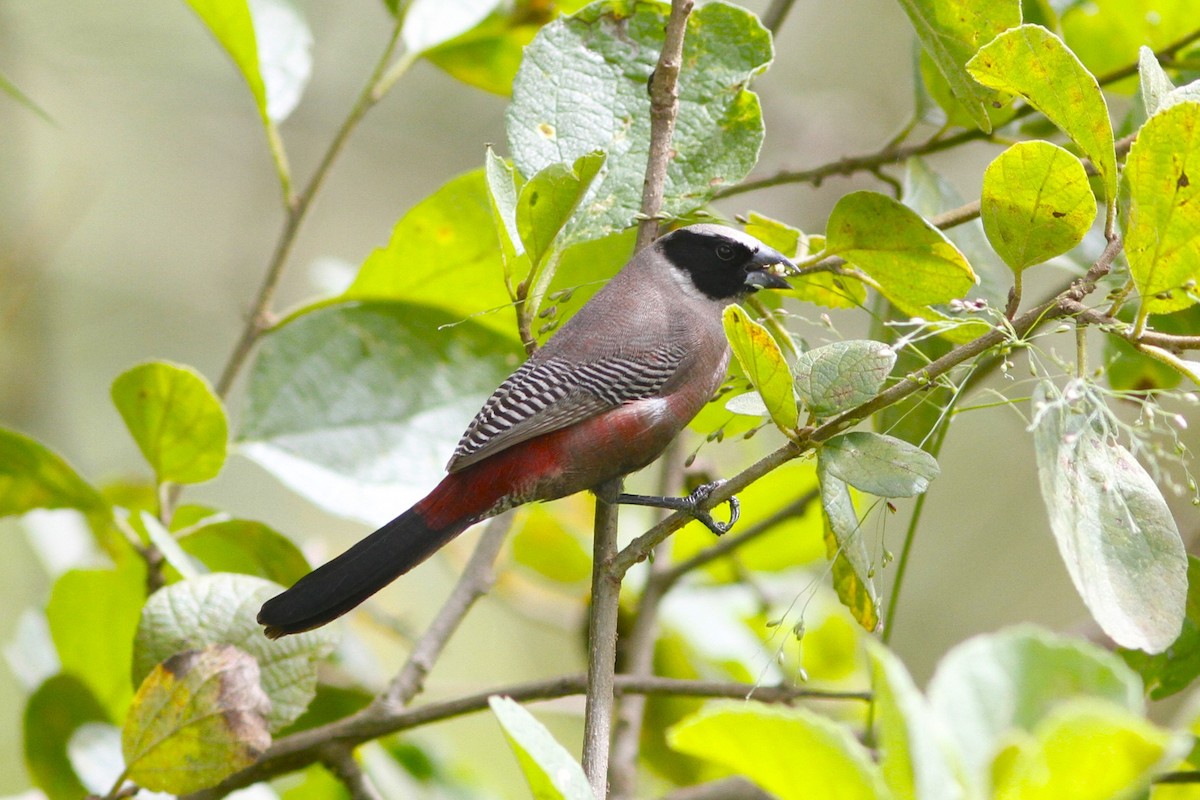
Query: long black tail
{"type": "Point", "coordinates": [338, 586]}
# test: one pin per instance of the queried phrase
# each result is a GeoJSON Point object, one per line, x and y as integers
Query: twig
{"type": "Point", "coordinates": [260, 318]}
{"type": "Point", "coordinates": [773, 17]}
{"type": "Point", "coordinates": [602, 641]}
{"type": "Point", "coordinates": [476, 578]}
{"type": "Point", "coordinates": [637, 650]}
{"type": "Point", "coordinates": [720, 789]}
{"type": "Point", "coordinates": [301, 749]}
{"type": "Point", "coordinates": [340, 761]}
{"type": "Point", "coordinates": [664, 104]}
{"type": "Point", "coordinates": [893, 153]}
{"type": "Point", "coordinates": [639, 548]}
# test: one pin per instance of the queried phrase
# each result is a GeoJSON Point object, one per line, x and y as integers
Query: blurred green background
{"type": "Point", "coordinates": [137, 222]}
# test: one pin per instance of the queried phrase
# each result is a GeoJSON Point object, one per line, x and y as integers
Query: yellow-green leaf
{"type": "Point", "coordinates": [1161, 209]}
{"type": "Point", "coordinates": [1086, 749]}
{"type": "Point", "coordinates": [550, 770]}
{"type": "Point", "coordinates": [907, 256]}
{"type": "Point", "coordinates": [844, 545]}
{"type": "Point", "coordinates": [759, 354]}
{"type": "Point", "coordinates": [198, 717]}
{"type": "Point", "coordinates": [34, 476]}
{"type": "Point", "coordinates": [269, 43]}
{"type": "Point", "coordinates": [951, 32]}
{"type": "Point", "coordinates": [175, 418]}
{"type": "Point", "coordinates": [1032, 62]}
{"type": "Point", "coordinates": [1036, 203]}
{"type": "Point", "coordinates": [793, 753]}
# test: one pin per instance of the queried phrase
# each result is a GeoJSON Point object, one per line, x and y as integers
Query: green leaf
{"type": "Point", "coordinates": [792, 753]}
{"type": "Point", "coordinates": [952, 34]}
{"type": "Point", "coordinates": [1106, 33]}
{"type": "Point", "coordinates": [545, 545]}
{"type": "Point", "coordinates": [842, 375]}
{"type": "Point", "coordinates": [175, 418]}
{"type": "Point", "coordinates": [549, 199]}
{"type": "Point", "coordinates": [197, 718]}
{"type": "Point", "coordinates": [1032, 62]}
{"type": "Point", "coordinates": [93, 615]}
{"type": "Point", "coordinates": [247, 547]}
{"type": "Point", "coordinates": [269, 43]}
{"type": "Point", "coordinates": [909, 258]}
{"type": "Point", "coordinates": [763, 362]}
{"type": "Point", "coordinates": [1174, 669]}
{"type": "Point", "coordinates": [358, 407]}
{"type": "Point", "coordinates": [991, 685]}
{"type": "Point", "coordinates": [1085, 749]}
{"type": "Point", "coordinates": [1036, 203]}
{"type": "Point", "coordinates": [500, 178]}
{"type": "Point", "coordinates": [34, 476]}
{"type": "Point", "coordinates": [1127, 369]}
{"type": "Point", "coordinates": [582, 87]}
{"type": "Point", "coordinates": [844, 546]}
{"type": "Point", "coordinates": [823, 288]}
{"type": "Point", "coordinates": [53, 713]}
{"type": "Point", "coordinates": [444, 253]}
{"type": "Point", "coordinates": [1113, 527]}
{"type": "Point", "coordinates": [1161, 209]}
{"type": "Point", "coordinates": [1155, 84]}
{"type": "Point", "coordinates": [429, 23]}
{"type": "Point", "coordinates": [489, 55]}
{"type": "Point", "coordinates": [550, 770]}
{"type": "Point", "coordinates": [877, 464]}
{"type": "Point", "coordinates": [221, 609]}
{"type": "Point", "coordinates": [917, 760]}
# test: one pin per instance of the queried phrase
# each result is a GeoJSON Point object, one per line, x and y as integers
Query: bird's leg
{"type": "Point", "coordinates": [690, 505]}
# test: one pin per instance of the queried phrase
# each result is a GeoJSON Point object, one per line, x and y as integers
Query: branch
{"type": "Point", "coordinates": [474, 582]}
{"type": "Point", "coordinates": [808, 438]}
{"type": "Point", "coordinates": [602, 640]}
{"type": "Point", "coordinates": [664, 104]}
{"type": "Point", "coordinates": [340, 761]}
{"type": "Point", "coordinates": [260, 319]}
{"type": "Point", "coordinates": [1175, 343]}
{"type": "Point", "coordinates": [301, 749]}
{"type": "Point", "coordinates": [637, 651]}
{"type": "Point", "coordinates": [893, 153]}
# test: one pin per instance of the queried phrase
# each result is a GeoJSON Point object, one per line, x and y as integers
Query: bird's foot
{"type": "Point", "coordinates": [691, 505]}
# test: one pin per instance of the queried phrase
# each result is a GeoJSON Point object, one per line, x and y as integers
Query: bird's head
{"type": "Point", "coordinates": [724, 263]}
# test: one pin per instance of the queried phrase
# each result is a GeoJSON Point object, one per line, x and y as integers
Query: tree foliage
{"type": "Point", "coordinates": [353, 400]}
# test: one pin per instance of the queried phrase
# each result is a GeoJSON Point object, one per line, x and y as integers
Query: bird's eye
{"type": "Point", "coordinates": [725, 252]}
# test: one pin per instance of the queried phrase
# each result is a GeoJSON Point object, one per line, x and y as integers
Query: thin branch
{"type": "Point", "coordinates": [474, 582]}
{"type": "Point", "coordinates": [637, 649]}
{"type": "Point", "coordinates": [893, 153]}
{"type": "Point", "coordinates": [340, 761]}
{"type": "Point", "coordinates": [776, 13]}
{"type": "Point", "coordinates": [1175, 343]}
{"type": "Point", "coordinates": [301, 749]}
{"type": "Point", "coordinates": [602, 641]}
{"type": "Point", "coordinates": [720, 789]}
{"type": "Point", "coordinates": [664, 104]}
{"type": "Point", "coordinates": [808, 438]}
{"type": "Point", "coordinates": [260, 318]}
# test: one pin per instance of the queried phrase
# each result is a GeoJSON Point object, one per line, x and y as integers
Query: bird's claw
{"type": "Point", "coordinates": [701, 494]}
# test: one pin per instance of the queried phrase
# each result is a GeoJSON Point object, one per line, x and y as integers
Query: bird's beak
{"type": "Point", "coordinates": [767, 270]}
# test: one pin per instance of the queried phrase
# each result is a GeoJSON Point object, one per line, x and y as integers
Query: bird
{"type": "Point", "coordinates": [602, 398]}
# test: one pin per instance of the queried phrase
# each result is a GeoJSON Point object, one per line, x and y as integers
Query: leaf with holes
{"type": "Point", "coordinates": [582, 87]}
{"type": "Point", "coordinates": [1160, 209]}
{"type": "Point", "coordinates": [1032, 62]}
{"type": "Point", "coordinates": [1036, 203]}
